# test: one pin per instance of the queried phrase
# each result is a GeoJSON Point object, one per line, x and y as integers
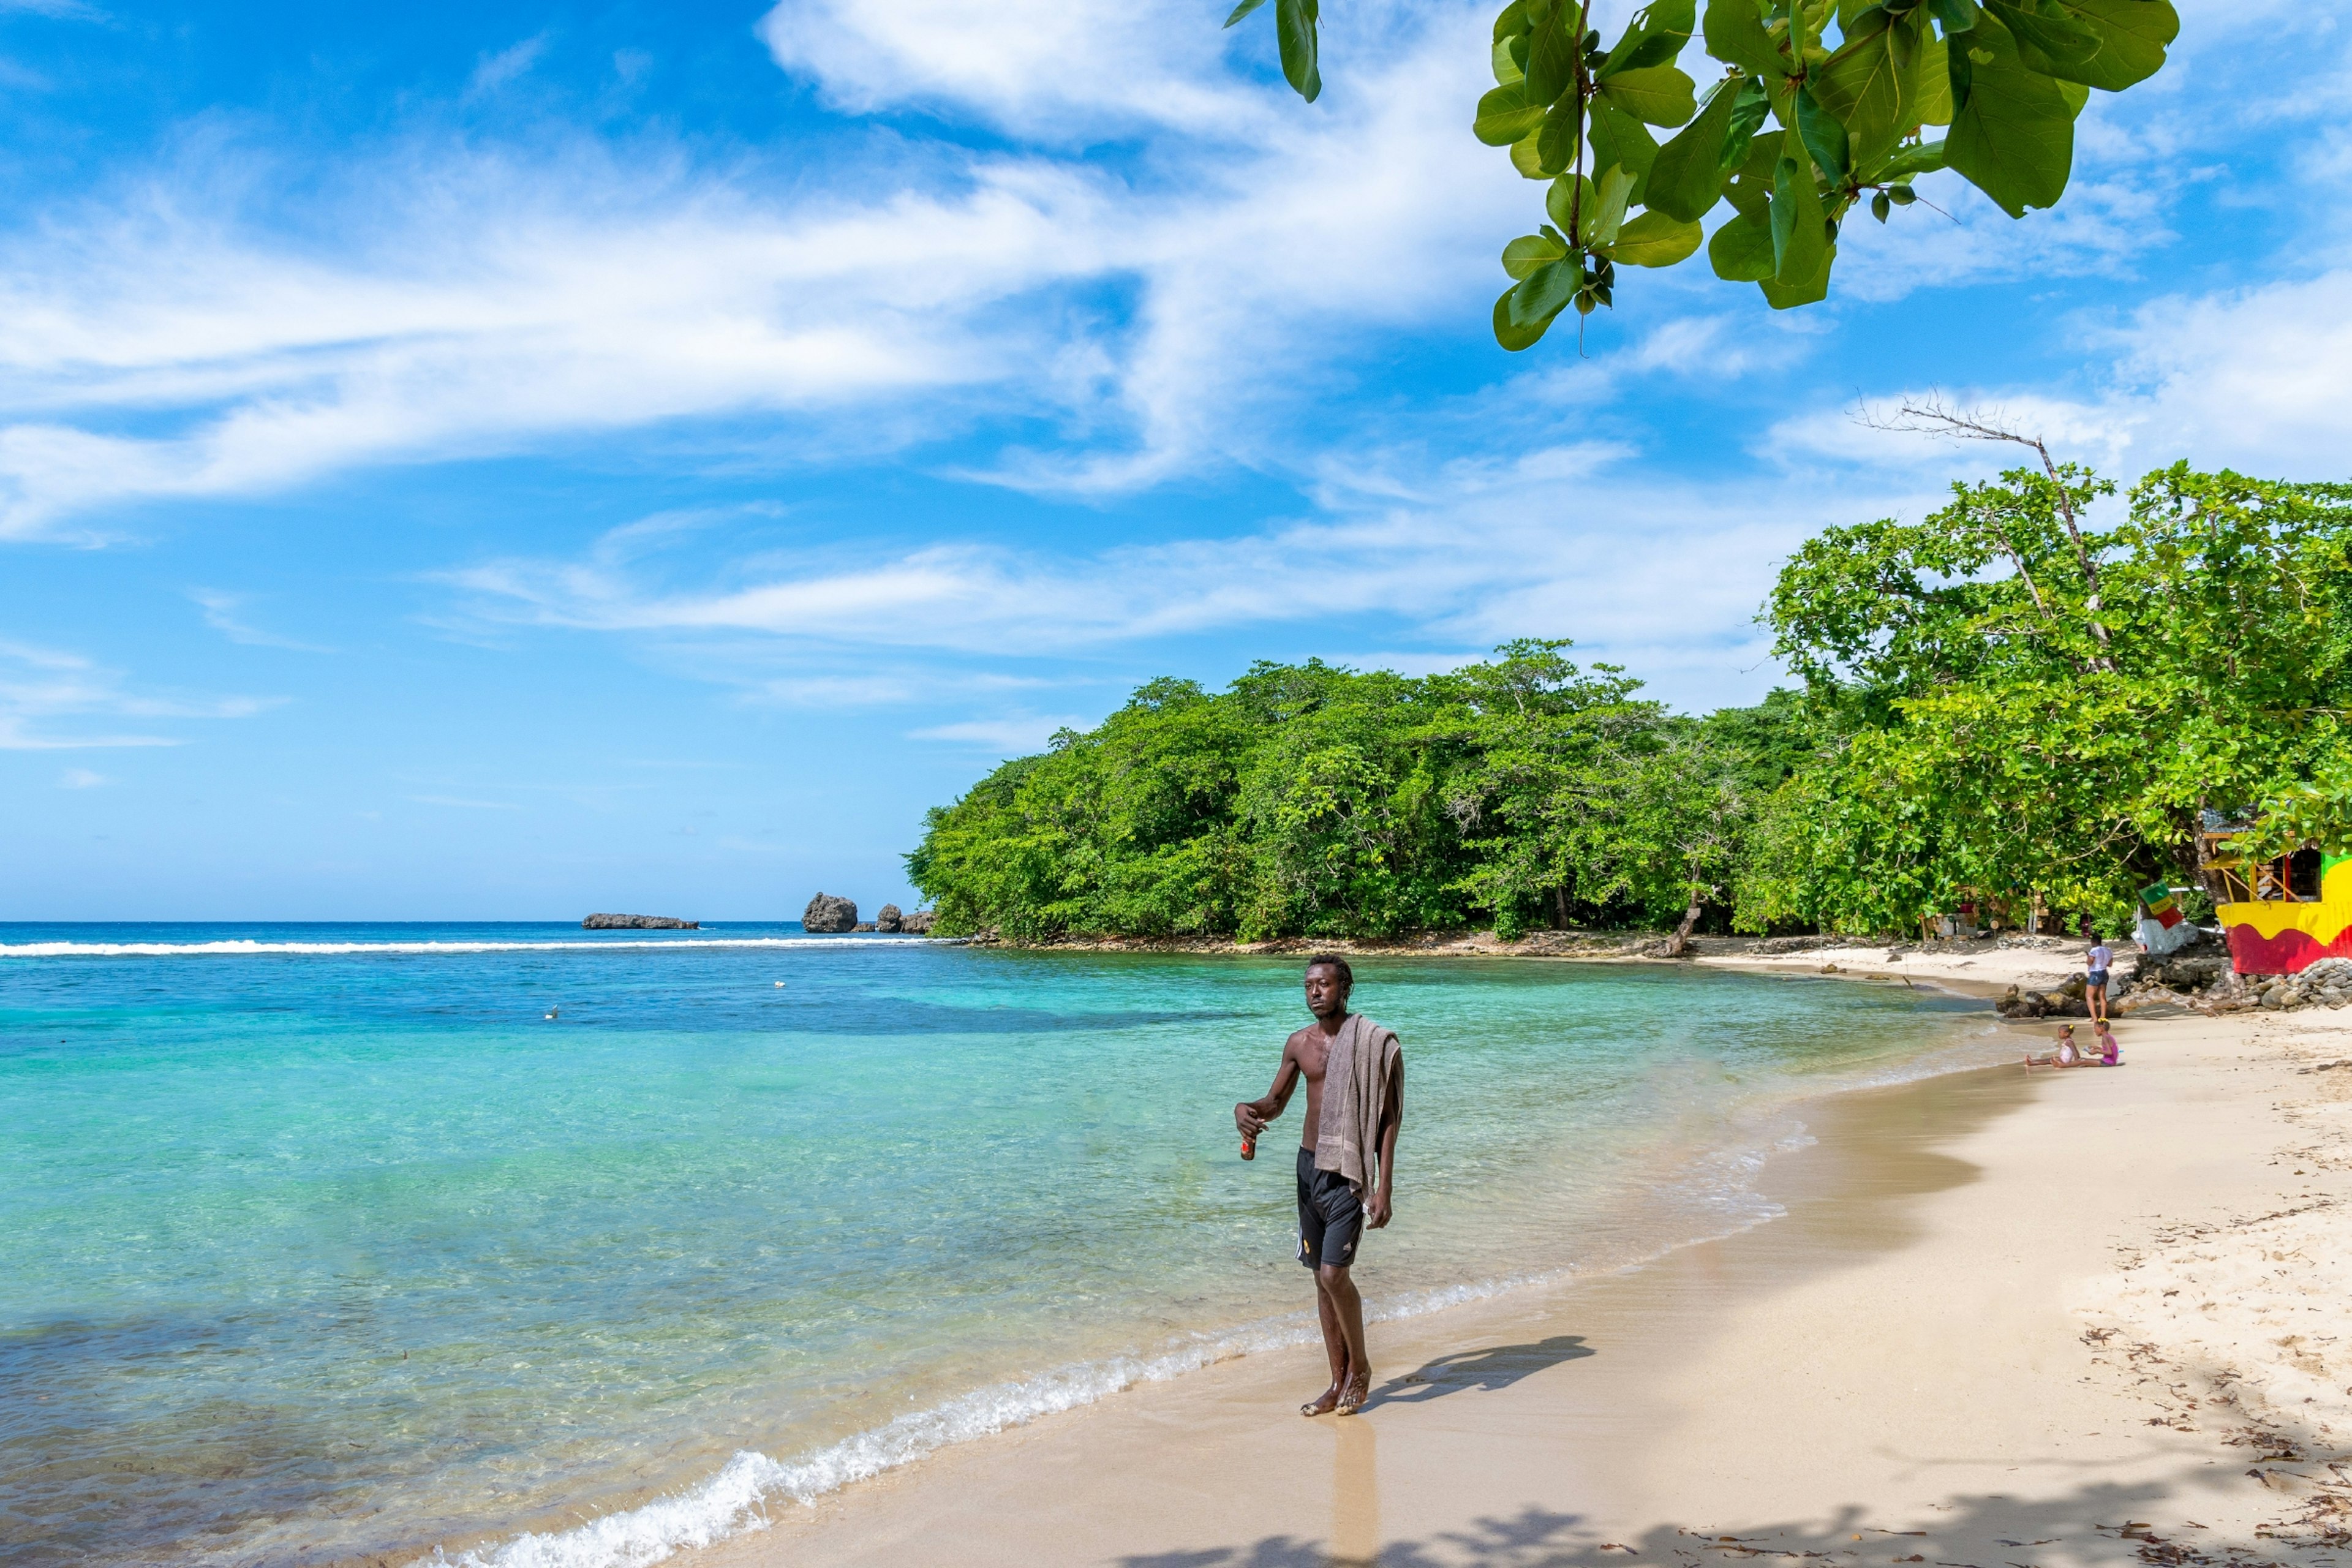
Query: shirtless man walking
{"type": "Point", "coordinates": [1355, 1104]}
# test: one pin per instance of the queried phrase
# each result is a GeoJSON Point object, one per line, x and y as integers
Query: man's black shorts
{"type": "Point", "coordinates": [1330, 1219]}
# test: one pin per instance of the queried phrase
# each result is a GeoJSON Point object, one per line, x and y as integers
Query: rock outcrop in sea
{"type": "Point", "coordinates": [889, 918]}
{"type": "Point", "coordinates": [828, 916]}
{"type": "Point", "coordinates": [637, 923]}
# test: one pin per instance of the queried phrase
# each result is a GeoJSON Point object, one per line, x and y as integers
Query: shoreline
{"type": "Point", "coordinates": [1756, 1129]}
{"type": "Point", "coordinates": [1647, 1414]}
{"type": "Point", "coordinates": [1999, 960]}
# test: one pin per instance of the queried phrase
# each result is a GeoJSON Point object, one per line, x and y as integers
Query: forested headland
{"type": "Point", "coordinates": [2000, 704]}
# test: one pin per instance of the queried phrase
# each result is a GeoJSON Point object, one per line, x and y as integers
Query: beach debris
{"type": "Point", "coordinates": [828, 915]}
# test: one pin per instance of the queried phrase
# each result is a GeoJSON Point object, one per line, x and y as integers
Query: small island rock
{"type": "Point", "coordinates": [637, 923]}
{"type": "Point", "coordinates": [888, 918]}
{"type": "Point", "coordinates": [827, 915]}
{"type": "Point", "coordinates": [918, 923]}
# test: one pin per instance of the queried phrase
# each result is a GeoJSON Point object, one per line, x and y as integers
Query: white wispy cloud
{"type": "Point", "coordinates": [1011, 736]}
{"type": "Point", "coordinates": [497, 69]}
{"type": "Point", "coordinates": [82, 778]}
{"type": "Point", "coordinates": [49, 699]}
{"type": "Point", "coordinates": [63, 10]}
{"type": "Point", "coordinates": [1171, 251]}
{"type": "Point", "coordinates": [1455, 552]}
{"type": "Point", "coordinates": [2258, 379]}
{"type": "Point", "coordinates": [1460, 543]}
{"type": "Point", "coordinates": [221, 612]}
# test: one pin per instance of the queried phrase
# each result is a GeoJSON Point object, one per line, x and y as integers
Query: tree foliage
{"type": "Point", "coordinates": [2024, 705]}
{"type": "Point", "coordinates": [1307, 799]}
{"type": "Point", "coordinates": [1795, 132]}
{"type": "Point", "coordinates": [2001, 702]}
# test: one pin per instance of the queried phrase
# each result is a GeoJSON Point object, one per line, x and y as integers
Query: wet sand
{"type": "Point", "coordinates": [1957, 1347]}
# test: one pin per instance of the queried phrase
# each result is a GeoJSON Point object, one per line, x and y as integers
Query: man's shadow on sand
{"type": "Point", "coordinates": [1496, 1366]}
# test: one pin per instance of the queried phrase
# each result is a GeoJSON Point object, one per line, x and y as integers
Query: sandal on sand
{"type": "Point", "coordinates": [1358, 1392]}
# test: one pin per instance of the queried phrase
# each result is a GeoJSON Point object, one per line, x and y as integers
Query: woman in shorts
{"type": "Point", "coordinates": [2096, 963]}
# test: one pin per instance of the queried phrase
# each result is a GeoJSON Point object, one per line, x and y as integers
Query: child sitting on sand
{"type": "Point", "coordinates": [2067, 1055]}
{"type": "Point", "coordinates": [2070, 1055]}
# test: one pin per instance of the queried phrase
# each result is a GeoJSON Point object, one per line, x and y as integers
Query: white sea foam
{"type": "Point", "coordinates": [317, 949]}
{"type": "Point", "coordinates": [738, 1498]}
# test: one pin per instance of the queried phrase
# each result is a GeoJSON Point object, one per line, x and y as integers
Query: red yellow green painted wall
{"type": "Point", "coordinates": [2279, 937]}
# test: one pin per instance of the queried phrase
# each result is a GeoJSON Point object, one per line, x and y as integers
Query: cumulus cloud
{"type": "Point", "coordinates": [1046, 67]}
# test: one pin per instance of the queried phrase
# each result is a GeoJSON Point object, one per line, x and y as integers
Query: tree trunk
{"type": "Point", "coordinates": [1678, 944]}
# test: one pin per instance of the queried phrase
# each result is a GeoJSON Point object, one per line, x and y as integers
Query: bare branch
{"type": "Point", "coordinates": [1933, 416]}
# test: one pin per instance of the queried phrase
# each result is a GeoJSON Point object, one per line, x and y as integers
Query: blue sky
{"type": "Point", "coordinates": [502, 461]}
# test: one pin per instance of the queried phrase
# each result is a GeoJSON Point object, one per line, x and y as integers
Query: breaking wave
{"type": "Point", "coordinates": [317, 949]}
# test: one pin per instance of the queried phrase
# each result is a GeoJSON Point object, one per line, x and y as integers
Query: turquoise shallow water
{"type": "Point", "coordinates": [322, 1242]}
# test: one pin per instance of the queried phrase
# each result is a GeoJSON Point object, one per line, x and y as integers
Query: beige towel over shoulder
{"type": "Point", "coordinates": [1355, 1081]}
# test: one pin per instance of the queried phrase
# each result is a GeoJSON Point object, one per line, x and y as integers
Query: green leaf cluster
{"type": "Point", "coordinates": [1818, 106]}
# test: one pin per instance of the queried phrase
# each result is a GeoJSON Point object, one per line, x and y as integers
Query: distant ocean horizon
{"type": "Point", "coordinates": [518, 1242]}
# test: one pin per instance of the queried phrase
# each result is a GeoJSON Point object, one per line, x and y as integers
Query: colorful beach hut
{"type": "Point", "coordinates": [2280, 916]}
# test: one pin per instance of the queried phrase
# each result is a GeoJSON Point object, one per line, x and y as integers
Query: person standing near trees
{"type": "Point", "coordinates": [1354, 1074]}
{"type": "Point", "coordinates": [2095, 965]}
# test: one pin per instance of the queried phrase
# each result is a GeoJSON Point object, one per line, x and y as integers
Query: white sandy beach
{"type": "Point", "coordinates": [2009, 1319]}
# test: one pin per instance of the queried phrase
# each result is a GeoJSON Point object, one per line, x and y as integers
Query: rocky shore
{"type": "Point", "coordinates": [637, 923]}
{"type": "Point", "coordinates": [2042, 974]}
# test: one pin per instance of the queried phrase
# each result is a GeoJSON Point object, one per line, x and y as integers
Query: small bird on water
{"type": "Point", "coordinates": [551, 1011]}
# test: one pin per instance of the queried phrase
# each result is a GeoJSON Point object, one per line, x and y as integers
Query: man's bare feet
{"type": "Point", "coordinates": [1358, 1390]}
{"type": "Point", "coordinates": [1322, 1404]}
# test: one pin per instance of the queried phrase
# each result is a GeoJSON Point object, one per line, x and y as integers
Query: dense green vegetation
{"type": "Point", "coordinates": [2001, 702]}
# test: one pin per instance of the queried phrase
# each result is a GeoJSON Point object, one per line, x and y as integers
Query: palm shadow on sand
{"type": "Point", "coordinates": [2097, 1524]}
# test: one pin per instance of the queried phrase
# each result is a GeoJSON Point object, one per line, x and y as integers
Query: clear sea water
{"type": "Point", "coordinates": [323, 1243]}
